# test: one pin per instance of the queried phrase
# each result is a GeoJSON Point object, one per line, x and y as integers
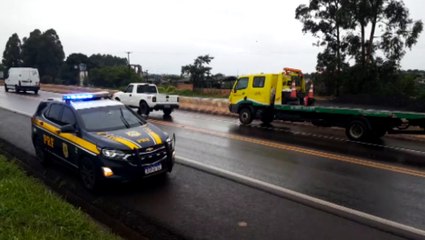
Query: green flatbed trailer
{"type": "Point", "coordinates": [360, 124]}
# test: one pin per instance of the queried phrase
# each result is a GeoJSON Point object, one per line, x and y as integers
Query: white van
{"type": "Point", "coordinates": [22, 79]}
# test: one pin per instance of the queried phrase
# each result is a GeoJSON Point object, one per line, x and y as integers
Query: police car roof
{"type": "Point", "coordinates": [78, 105]}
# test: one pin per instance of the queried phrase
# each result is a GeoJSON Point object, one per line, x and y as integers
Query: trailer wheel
{"type": "Point", "coordinates": [357, 130]}
{"type": "Point", "coordinates": [245, 116]}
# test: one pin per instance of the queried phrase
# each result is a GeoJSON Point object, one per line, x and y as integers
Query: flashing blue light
{"type": "Point", "coordinates": [78, 97]}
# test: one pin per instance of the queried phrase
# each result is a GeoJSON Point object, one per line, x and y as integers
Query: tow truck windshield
{"type": "Point", "coordinates": [109, 119]}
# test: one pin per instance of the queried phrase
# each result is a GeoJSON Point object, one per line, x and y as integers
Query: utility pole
{"type": "Point", "coordinates": [128, 57]}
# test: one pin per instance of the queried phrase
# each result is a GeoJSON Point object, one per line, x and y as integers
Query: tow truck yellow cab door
{"type": "Point", "coordinates": [239, 90]}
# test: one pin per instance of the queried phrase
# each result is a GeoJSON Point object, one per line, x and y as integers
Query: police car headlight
{"type": "Point", "coordinates": [113, 154]}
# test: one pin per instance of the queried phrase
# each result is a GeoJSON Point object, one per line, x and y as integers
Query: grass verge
{"type": "Point", "coordinates": [28, 210]}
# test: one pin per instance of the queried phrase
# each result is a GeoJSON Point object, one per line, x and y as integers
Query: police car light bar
{"type": "Point", "coordinates": [85, 96]}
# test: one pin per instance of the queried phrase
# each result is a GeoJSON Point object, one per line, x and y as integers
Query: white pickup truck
{"type": "Point", "coordinates": [146, 98]}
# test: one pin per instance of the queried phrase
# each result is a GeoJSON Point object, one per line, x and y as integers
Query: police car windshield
{"type": "Point", "coordinates": [109, 118]}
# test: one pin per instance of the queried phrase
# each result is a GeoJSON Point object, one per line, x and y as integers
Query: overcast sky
{"type": "Point", "coordinates": [243, 36]}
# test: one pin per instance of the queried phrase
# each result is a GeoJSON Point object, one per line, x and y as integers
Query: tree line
{"type": "Point", "coordinates": [363, 42]}
{"type": "Point", "coordinates": [44, 51]}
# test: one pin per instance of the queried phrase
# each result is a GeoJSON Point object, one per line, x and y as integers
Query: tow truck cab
{"type": "Point", "coordinates": [265, 90]}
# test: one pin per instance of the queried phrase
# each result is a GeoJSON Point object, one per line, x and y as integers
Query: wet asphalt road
{"type": "Point", "coordinates": [221, 142]}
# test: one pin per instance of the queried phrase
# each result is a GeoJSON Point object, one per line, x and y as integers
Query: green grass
{"type": "Point", "coordinates": [28, 210]}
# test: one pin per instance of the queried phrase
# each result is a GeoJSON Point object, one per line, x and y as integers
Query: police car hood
{"type": "Point", "coordinates": [144, 136]}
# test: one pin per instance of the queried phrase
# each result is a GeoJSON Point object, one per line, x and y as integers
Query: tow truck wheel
{"type": "Point", "coordinates": [143, 108]}
{"type": "Point", "coordinates": [245, 116]}
{"type": "Point", "coordinates": [357, 130]}
{"type": "Point", "coordinates": [89, 174]}
{"type": "Point", "coordinates": [267, 116]}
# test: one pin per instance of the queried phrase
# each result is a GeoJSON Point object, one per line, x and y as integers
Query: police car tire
{"type": "Point", "coordinates": [6, 89]}
{"type": "Point", "coordinates": [35, 92]}
{"type": "Point", "coordinates": [42, 155]}
{"type": "Point", "coordinates": [89, 174]}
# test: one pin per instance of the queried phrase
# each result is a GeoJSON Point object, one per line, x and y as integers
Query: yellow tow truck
{"type": "Point", "coordinates": [283, 96]}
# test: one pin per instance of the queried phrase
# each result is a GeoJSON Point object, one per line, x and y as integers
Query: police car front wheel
{"type": "Point", "coordinates": [41, 155]}
{"type": "Point", "coordinates": [89, 174]}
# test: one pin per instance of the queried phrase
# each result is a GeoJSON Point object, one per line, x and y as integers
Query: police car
{"type": "Point", "coordinates": [101, 138]}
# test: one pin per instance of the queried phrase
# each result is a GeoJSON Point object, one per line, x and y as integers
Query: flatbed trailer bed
{"type": "Point", "coordinates": [360, 124]}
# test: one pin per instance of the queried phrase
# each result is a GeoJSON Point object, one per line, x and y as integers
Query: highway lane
{"type": "Point", "coordinates": [380, 191]}
{"type": "Point", "coordinates": [395, 196]}
{"type": "Point", "coordinates": [196, 205]}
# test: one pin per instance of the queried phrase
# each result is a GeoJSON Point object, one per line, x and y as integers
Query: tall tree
{"type": "Point", "coordinates": [102, 60]}
{"type": "Point", "coordinates": [396, 30]}
{"type": "Point", "coordinates": [342, 28]}
{"type": "Point", "coordinates": [12, 54]}
{"type": "Point", "coordinates": [45, 52]}
{"type": "Point", "coordinates": [30, 48]}
{"type": "Point", "coordinates": [71, 69]}
{"type": "Point", "coordinates": [198, 71]}
{"type": "Point", "coordinates": [326, 20]}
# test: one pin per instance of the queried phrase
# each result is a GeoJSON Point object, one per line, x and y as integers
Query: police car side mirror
{"type": "Point", "coordinates": [69, 128]}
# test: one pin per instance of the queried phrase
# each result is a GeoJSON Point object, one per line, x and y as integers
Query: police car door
{"type": "Point", "coordinates": [68, 150]}
{"type": "Point", "coordinates": [50, 137]}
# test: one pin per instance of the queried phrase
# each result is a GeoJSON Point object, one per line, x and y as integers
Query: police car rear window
{"type": "Point", "coordinates": [68, 116]}
{"type": "Point", "coordinates": [54, 112]}
{"type": "Point", "coordinates": [110, 118]}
